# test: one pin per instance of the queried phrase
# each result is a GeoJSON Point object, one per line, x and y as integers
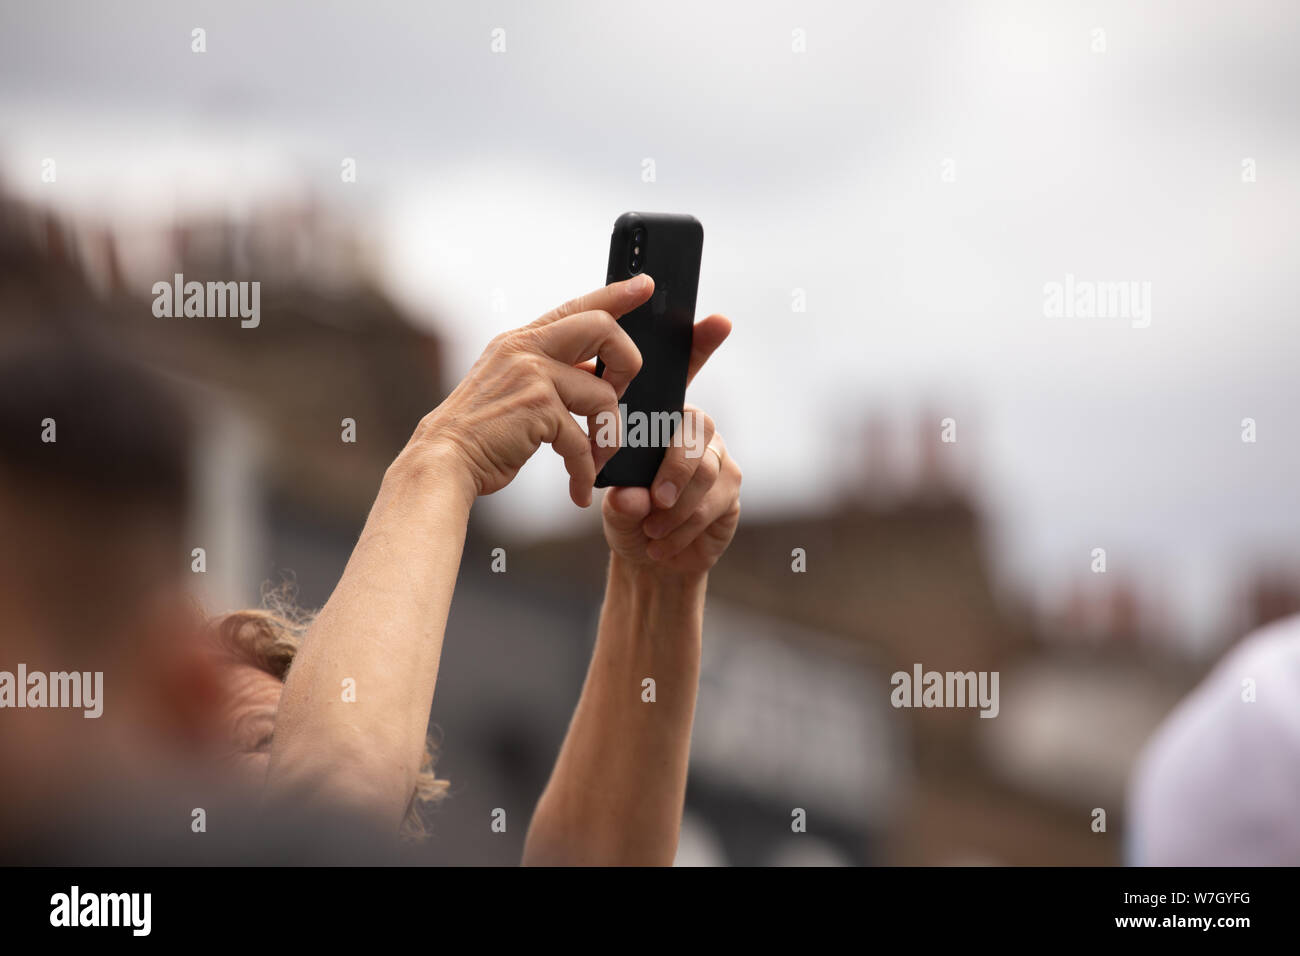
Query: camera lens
{"type": "Point", "coordinates": [638, 243]}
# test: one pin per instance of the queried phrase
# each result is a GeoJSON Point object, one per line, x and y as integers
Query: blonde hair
{"type": "Point", "coordinates": [268, 638]}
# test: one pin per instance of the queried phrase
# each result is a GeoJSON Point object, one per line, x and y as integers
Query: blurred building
{"type": "Point", "coordinates": [271, 400]}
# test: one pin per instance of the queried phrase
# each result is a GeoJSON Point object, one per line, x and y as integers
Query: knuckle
{"type": "Point", "coordinates": [680, 472]}
{"type": "Point", "coordinates": [699, 519]}
{"type": "Point", "coordinates": [536, 395]}
{"type": "Point", "coordinates": [534, 365]}
{"type": "Point", "coordinates": [525, 340]}
{"type": "Point", "coordinates": [620, 336]}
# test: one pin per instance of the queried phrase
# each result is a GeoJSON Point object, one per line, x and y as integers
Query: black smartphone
{"type": "Point", "coordinates": [668, 248]}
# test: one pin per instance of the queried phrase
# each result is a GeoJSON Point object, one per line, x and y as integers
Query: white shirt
{"type": "Point", "coordinates": [1218, 784]}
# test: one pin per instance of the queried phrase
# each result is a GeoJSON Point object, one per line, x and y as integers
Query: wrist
{"type": "Point", "coordinates": [651, 582]}
{"type": "Point", "coordinates": [434, 463]}
{"type": "Point", "coordinates": [653, 615]}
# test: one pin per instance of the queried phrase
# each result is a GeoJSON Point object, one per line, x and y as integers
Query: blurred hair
{"type": "Point", "coordinates": [94, 519]}
{"type": "Point", "coordinates": [268, 638]}
{"type": "Point", "coordinates": [122, 434]}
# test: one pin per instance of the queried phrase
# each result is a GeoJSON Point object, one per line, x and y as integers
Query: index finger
{"type": "Point", "coordinates": [579, 337]}
{"type": "Point", "coordinates": [617, 298]}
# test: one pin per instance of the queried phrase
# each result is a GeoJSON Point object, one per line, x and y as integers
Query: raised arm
{"type": "Point", "coordinates": [352, 720]}
{"type": "Point", "coordinates": [616, 793]}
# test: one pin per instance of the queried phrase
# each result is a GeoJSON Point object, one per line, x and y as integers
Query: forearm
{"type": "Point", "coordinates": [354, 714]}
{"type": "Point", "coordinates": [618, 787]}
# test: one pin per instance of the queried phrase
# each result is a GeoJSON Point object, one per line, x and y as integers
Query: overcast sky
{"type": "Point", "coordinates": [822, 171]}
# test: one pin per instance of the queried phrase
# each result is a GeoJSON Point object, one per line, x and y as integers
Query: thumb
{"type": "Point", "coordinates": [625, 508]}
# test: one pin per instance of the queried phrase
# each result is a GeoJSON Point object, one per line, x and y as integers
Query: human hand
{"type": "Point", "coordinates": [685, 520]}
{"type": "Point", "coordinates": [522, 389]}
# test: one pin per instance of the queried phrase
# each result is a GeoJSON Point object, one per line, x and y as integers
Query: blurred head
{"type": "Point", "coordinates": [94, 460]}
{"type": "Point", "coordinates": [94, 484]}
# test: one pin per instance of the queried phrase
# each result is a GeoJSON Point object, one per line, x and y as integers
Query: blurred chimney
{"type": "Point", "coordinates": [877, 479]}
{"type": "Point", "coordinates": [1271, 597]}
{"type": "Point", "coordinates": [1124, 613]}
{"type": "Point", "coordinates": [936, 469]}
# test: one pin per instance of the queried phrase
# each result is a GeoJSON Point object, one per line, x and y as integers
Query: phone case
{"type": "Point", "coordinates": [662, 329]}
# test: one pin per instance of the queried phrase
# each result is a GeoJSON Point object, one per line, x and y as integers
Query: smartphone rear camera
{"type": "Point", "coordinates": [638, 244]}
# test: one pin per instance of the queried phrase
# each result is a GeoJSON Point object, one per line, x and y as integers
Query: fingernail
{"type": "Point", "coordinates": [666, 494]}
{"type": "Point", "coordinates": [652, 530]}
{"type": "Point", "coordinates": [655, 550]}
{"type": "Point", "coordinates": [635, 284]}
